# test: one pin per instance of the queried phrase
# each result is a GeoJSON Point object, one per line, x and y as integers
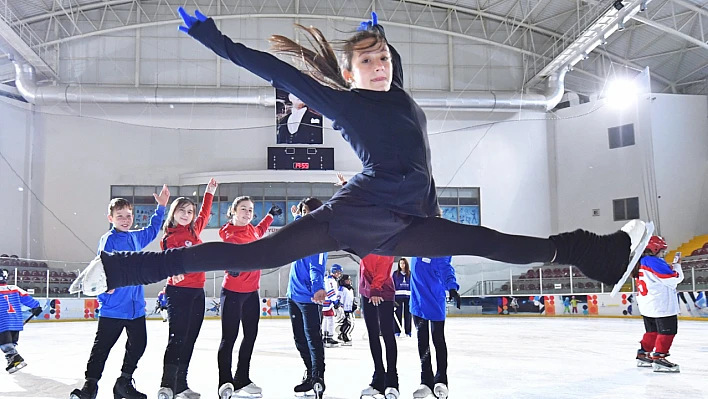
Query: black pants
{"type": "Point", "coordinates": [427, 237]}
{"type": "Point", "coordinates": [8, 342]}
{"type": "Point", "coordinates": [185, 307]}
{"type": "Point", "coordinates": [662, 325]}
{"type": "Point", "coordinates": [305, 319]}
{"type": "Point", "coordinates": [107, 334]}
{"type": "Point", "coordinates": [9, 337]}
{"type": "Point", "coordinates": [237, 308]}
{"type": "Point", "coordinates": [403, 313]}
{"type": "Point", "coordinates": [379, 319]}
{"type": "Point", "coordinates": [423, 328]}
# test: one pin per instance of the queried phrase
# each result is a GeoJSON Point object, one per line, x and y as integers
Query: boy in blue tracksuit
{"type": "Point", "coordinates": [306, 293]}
{"type": "Point", "coordinates": [430, 279]}
{"type": "Point", "coordinates": [122, 308]}
{"type": "Point", "coordinates": [12, 298]}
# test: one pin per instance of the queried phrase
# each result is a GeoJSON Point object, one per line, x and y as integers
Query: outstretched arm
{"type": "Point", "coordinates": [280, 74]}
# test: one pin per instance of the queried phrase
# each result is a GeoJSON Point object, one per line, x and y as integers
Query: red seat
{"type": "Point", "coordinates": [522, 287]}
{"type": "Point", "coordinates": [705, 246]}
{"type": "Point", "coordinates": [505, 287]}
{"type": "Point", "coordinates": [590, 285]}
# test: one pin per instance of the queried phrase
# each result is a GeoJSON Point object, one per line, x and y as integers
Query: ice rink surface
{"type": "Point", "coordinates": [489, 357]}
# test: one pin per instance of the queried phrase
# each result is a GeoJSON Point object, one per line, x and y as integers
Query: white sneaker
{"type": "Point", "coordinates": [91, 281]}
{"type": "Point", "coordinates": [423, 392]}
{"type": "Point", "coordinates": [370, 391]}
{"type": "Point", "coordinates": [639, 234]}
{"type": "Point", "coordinates": [188, 394]}
{"type": "Point", "coordinates": [440, 390]}
{"type": "Point", "coordinates": [391, 393]}
{"type": "Point", "coordinates": [226, 390]}
{"type": "Point", "coordinates": [165, 393]}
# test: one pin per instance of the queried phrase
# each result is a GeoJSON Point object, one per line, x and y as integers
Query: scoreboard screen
{"type": "Point", "coordinates": [300, 158]}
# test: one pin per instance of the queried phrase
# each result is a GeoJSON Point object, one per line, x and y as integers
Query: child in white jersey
{"type": "Point", "coordinates": [656, 283]}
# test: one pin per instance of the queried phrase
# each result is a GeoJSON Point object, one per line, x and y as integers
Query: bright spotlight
{"type": "Point", "coordinates": [621, 93]}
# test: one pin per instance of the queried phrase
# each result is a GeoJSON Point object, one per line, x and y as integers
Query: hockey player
{"type": "Point", "coordinates": [331, 287]}
{"type": "Point", "coordinates": [656, 283]}
{"type": "Point", "coordinates": [161, 305]}
{"type": "Point", "coordinates": [345, 321]}
{"type": "Point", "coordinates": [12, 298]}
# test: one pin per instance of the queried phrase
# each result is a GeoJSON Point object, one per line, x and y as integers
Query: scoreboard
{"type": "Point", "coordinates": [300, 158]}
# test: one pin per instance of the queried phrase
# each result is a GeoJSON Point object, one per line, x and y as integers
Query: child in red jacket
{"type": "Point", "coordinates": [239, 300]}
{"type": "Point", "coordinates": [377, 295]}
{"type": "Point", "coordinates": [184, 294]}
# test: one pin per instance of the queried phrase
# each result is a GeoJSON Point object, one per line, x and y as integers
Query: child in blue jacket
{"type": "Point", "coordinates": [122, 308]}
{"type": "Point", "coordinates": [306, 293]}
{"type": "Point", "coordinates": [430, 279]}
{"type": "Point", "coordinates": [11, 320]}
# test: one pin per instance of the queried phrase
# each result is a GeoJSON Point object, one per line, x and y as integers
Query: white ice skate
{"type": "Point", "coordinates": [165, 393]}
{"type": "Point", "coordinates": [371, 392]}
{"type": "Point", "coordinates": [249, 391]}
{"type": "Point", "coordinates": [423, 392]}
{"type": "Point", "coordinates": [391, 393]}
{"type": "Point", "coordinates": [188, 394]}
{"type": "Point", "coordinates": [92, 280]}
{"type": "Point", "coordinates": [440, 390]}
{"type": "Point", "coordinates": [226, 391]}
{"type": "Point", "coordinates": [640, 233]}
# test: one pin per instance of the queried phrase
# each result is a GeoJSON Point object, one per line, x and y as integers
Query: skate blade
{"type": "Point", "coordinates": [637, 252]}
{"type": "Point", "coordinates": [440, 393]}
{"type": "Point", "coordinates": [17, 368]}
{"type": "Point", "coordinates": [165, 393]}
{"type": "Point", "coordinates": [662, 369]}
{"type": "Point", "coordinates": [226, 391]}
{"type": "Point", "coordinates": [246, 395]}
{"type": "Point", "coordinates": [644, 364]}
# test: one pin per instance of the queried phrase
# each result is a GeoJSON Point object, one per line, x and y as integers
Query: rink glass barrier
{"type": "Point", "coordinates": [487, 288]}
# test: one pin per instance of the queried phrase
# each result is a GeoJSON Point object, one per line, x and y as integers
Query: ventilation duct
{"type": "Point", "coordinates": [457, 101]}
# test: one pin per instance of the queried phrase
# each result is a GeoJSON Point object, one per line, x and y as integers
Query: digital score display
{"type": "Point", "coordinates": [300, 158]}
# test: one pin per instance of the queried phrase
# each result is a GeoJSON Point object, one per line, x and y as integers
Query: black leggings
{"type": "Point", "coordinates": [379, 319]}
{"type": "Point", "coordinates": [237, 308]}
{"type": "Point", "coordinates": [425, 237]}
{"type": "Point", "coordinates": [185, 307]}
{"type": "Point", "coordinates": [424, 328]}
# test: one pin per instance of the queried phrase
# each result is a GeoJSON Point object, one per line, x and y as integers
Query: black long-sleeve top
{"type": "Point", "coordinates": [386, 129]}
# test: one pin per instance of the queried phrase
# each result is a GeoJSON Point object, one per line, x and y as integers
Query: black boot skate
{"type": "Point", "coordinates": [124, 389]}
{"type": "Point", "coordinates": [88, 391]}
{"type": "Point", "coordinates": [305, 385]}
{"type": "Point", "coordinates": [660, 363]}
{"type": "Point", "coordinates": [15, 363]}
{"type": "Point", "coordinates": [644, 358]}
{"type": "Point", "coordinates": [606, 258]}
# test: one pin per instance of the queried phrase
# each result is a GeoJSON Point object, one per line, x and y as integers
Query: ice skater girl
{"type": "Point", "coordinates": [240, 303]}
{"type": "Point", "coordinates": [390, 208]}
{"type": "Point", "coordinates": [184, 294]}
